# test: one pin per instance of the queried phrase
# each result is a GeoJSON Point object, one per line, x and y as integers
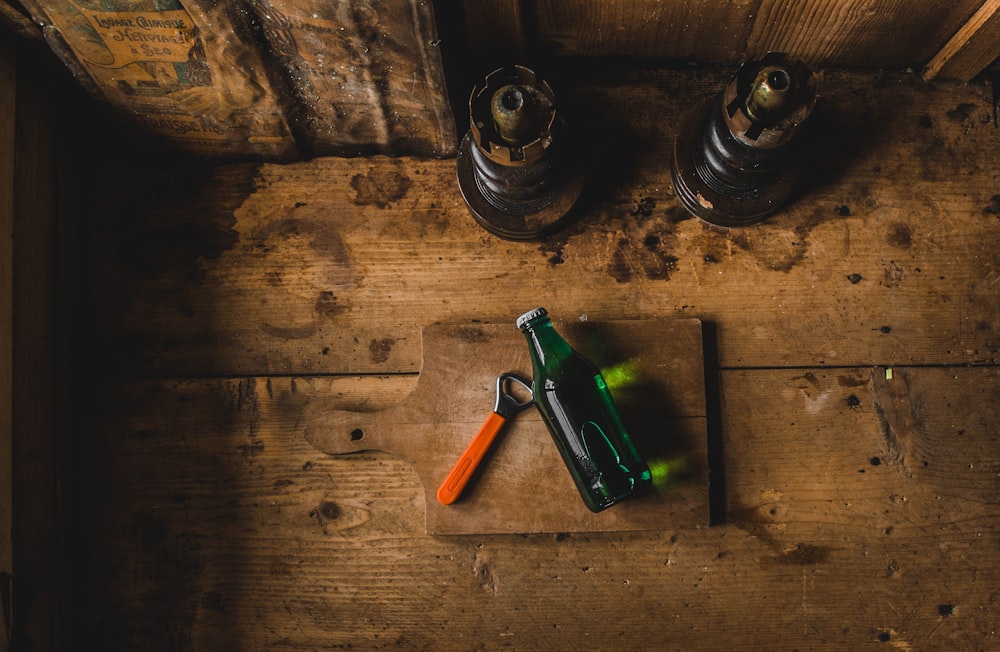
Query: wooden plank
{"type": "Point", "coordinates": [334, 266]}
{"type": "Point", "coordinates": [894, 34]}
{"type": "Point", "coordinates": [704, 31]}
{"type": "Point", "coordinates": [521, 489]}
{"type": "Point", "coordinates": [496, 33]}
{"type": "Point", "coordinates": [973, 47]}
{"type": "Point", "coordinates": [213, 524]}
{"type": "Point", "coordinates": [8, 98]}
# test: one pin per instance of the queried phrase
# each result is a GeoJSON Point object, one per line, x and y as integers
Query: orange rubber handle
{"type": "Point", "coordinates": [452, 487]}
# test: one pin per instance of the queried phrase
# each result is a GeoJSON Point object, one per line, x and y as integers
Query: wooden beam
{"type": "Point", "coordinates": [8, 96]}
{"type": "Point", "coordinates": [898, 34]}
{"type": "Point", "coordinates": [34, 480]}
{"type": "Point", "coordinates": [974, 47]}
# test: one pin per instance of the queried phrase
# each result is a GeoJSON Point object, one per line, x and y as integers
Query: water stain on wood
{"type": "Point", "coordinates": [644, 207]}
{"type": "Point", "coordinates": [284, 228]}
{"type": "Point", "coordinates": [758, 520]}
{"type": "Point", "coordinates": [805, 554]}
{"type": "Point", "coordinates": [323, 238]}
{"type": "Point", "coordinates": [653, 258]}
{"type": "Point", "coordinates": [286, 240]}
{"type": "Point", "coordinates": [900, 236]}
{"type": "Point", "coordinates": [246, 394]}
{"type": "Point", "coordinates": [962, 112]}
{"type": "Point", "coordinates": [993, 208]}
{"type": "Point", "coordinates": [852, 381]}
{"type": "Point", "coordinates": [290, 332]}
{"type": "Point", "coordinates": [379, 349]}
{"type": "Point", "coordinates": [471, 334]}
{"type": "Point", "coordinates": [893, 275]}
{"type": "Point", "coordinates": [328, 306]}
{"type": "Point", "coordinates": [772, 246]}
{"type": "Point", "coordinates": [380, 187]}
{"type": "Point", "coordinates": [248, 451]}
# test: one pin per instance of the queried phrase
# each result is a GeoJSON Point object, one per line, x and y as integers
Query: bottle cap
{"type": "Point", "coordinates": [523, 320]}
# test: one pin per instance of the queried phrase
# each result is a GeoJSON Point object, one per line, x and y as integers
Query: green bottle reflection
{"type": "Point", "coordinates": [578, 409]}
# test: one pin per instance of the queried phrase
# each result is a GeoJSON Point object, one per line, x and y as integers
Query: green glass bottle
{"type": "Point", "coordinates": [577, 407]}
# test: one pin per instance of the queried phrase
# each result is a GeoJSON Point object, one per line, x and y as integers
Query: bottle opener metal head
{"type": "Point", "coordinates": [507, 404]}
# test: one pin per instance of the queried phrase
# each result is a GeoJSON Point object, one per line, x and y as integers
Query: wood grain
{"type": "Point", "coordinates": [972, 48]}
{"type": "Point", "coordinates": [884, 34]}
{"type": "Point", "coordinates": [210, 522]}
{"type": "Point", "coordinates": [222, 305]}
{"type": "Point", "coordinates": [334, 265]}
{"type": "Point", "coordinates": [704, 31]}
{"type": "Point", "coordinates": [857, 33]}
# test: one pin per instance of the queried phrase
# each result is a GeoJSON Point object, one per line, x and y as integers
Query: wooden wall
{"type": "Point", "coordinates": [853, 33]}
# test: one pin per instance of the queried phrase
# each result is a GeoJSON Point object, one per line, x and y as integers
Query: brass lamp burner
{"type": "Point", "coordinates": [516, 167]}
{"type": "Point", "coordinates": [735, 163]}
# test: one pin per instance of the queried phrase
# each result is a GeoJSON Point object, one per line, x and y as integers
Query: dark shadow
{"type": "Point", "coordinates": [654, 419]}
{"type": "Point", "coordinates": [825, 147]}
{"type": "Point", "coordinates": [713, 415]}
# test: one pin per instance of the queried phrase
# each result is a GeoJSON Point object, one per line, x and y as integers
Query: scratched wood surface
{"type": "Point", "coordinates": [334, 265]}
{"type": "Point", "coordinates": [862, 514]}
{"type": "Point", "coordinates": [855, 485]}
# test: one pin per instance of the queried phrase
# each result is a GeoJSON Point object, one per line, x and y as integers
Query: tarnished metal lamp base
{"type": "Point", "coordinates": [544, 208]}
{"type": "Point", "coordinates": [711, 199]}
{"type": "Point", "coordinates": [518, 168]}
{"type": "Point", "coordinates": [736, 162]}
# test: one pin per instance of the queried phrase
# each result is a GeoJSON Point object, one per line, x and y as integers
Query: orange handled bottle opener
{"type": "Point", "coordinates": [506, 406]}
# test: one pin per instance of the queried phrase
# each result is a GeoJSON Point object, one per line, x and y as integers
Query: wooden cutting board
{"type": "Point", "coordinates": [656, 371]}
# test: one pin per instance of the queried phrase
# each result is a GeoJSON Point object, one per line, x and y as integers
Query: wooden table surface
{"type": "Point", "coordinates": [853, 391]}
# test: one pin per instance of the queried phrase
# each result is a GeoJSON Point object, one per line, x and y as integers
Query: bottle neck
{"type": "Point", "coordinates": [548, 345]}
